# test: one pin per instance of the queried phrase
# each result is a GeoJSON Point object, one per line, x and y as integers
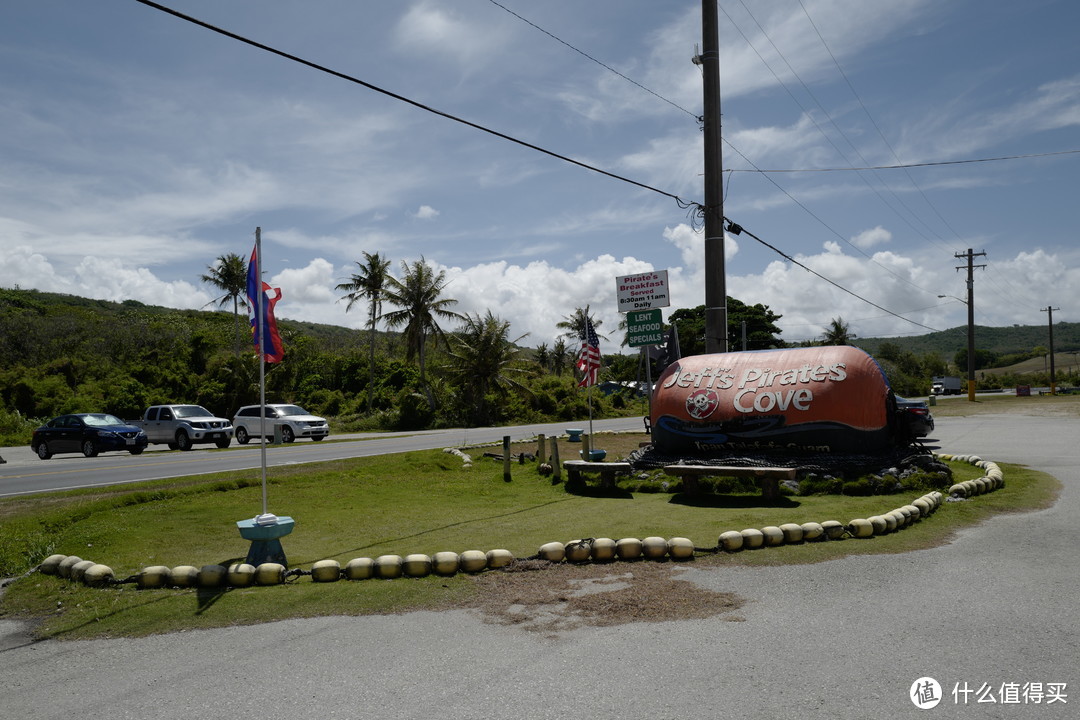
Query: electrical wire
{"type": "Point", "coordinates": [402, 98]}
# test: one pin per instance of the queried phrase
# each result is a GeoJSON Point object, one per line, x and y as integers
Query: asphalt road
{"type": "Point", "coordinates": [24, 473]}
{"type": "Point", "coordinates": [994, 609]}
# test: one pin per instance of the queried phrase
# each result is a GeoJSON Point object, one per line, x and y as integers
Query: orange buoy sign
{"type": "Point", "coordinates": [797, 400]}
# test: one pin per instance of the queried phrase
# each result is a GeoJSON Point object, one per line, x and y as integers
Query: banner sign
{"type": "Point", "coordinates": [644, 327]}
{"type": "Point", "coordinates": [643, 291]}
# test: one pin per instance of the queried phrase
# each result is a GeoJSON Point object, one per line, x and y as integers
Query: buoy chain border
{"type": "Point", "coordinates": [600, 550]}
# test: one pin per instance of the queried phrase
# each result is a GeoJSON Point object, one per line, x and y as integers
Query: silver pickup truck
{"type": "Point", "coordinates": [181, 426]}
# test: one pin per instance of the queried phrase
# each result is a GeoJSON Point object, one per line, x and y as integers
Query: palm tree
{"type": "Point", "coordinates": [483, 356]}
{"type": "Point", "coordinates": [368, 284]}
{"type": "Point", "coordinates": [560, 357]}
{"type": "Point", "coordinates": [420, 307]}
{"type": "Point", "coordinates": [838, 333]}
{"type": "Point", "coordinates": [574, 325]}
{"type": "Point", "coordinates": [229, 274]}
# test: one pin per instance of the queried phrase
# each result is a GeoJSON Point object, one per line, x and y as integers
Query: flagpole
{"type": "Point", "coordinates": [261, 344]}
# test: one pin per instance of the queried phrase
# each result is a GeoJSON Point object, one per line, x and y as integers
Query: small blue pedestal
{"type": "Point", "coordinates": [575, 434]}
{"type": "Point", "coordinates": [265, 543]}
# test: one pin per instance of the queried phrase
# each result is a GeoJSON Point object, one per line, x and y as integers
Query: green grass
{"type": "Point", "coordinates": [420, 502]}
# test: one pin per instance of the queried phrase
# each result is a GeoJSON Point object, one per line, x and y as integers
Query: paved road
{"type": "Point", "coordinates": [843, 639]}
{"type": "Point", "coordinates": [24, 473]}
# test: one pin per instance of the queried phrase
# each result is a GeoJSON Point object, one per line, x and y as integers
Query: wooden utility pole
{"type": "Point", "coordinates": [970, 256]}
{"type": "Point", "coordinates": [715, 281]}
{"type": "Point", "coordinates": [1050, 318]}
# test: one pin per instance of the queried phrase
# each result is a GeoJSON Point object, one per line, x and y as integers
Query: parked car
{"type": "Point", "coordinates": [915, 416]}
{"type": "Point", "coordinates": [88, 433]}
{"type": "Point", "coordinates": [182, 426]}
{"type": "Point", "coordinates": [295, 422]}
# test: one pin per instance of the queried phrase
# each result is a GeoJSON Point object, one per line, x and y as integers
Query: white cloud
{"type": "Point", "coordinates": [869, 238]}
{"type": "Point", "coordinates": [426, 212]}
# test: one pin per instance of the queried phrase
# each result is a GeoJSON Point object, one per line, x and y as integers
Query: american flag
{"type": "Point", "coordinates": [589, 359]}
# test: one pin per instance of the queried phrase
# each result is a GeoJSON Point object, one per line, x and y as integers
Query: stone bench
{"type": "Point", "coordinates": [607, 470]}
{"type": "Point", "coordinates": [767, 477]}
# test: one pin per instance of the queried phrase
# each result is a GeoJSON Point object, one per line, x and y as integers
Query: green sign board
{"type": "Point", "coordinates": [644, 327]}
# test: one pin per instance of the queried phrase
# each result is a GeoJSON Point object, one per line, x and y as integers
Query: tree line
{"type": "Point", "coordinates": [418, 363]}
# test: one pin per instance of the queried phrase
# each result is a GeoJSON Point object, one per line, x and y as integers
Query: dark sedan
{"type": "Point", "coordinates": [915, 416]}
{"type": "Point", "coordinates": [88, 433]}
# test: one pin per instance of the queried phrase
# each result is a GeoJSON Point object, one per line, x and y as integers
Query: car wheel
{"type": "Point", "coordinates": [89, 449]}
{"type": "Point", "coordinates": [287, 434]}
{"type": "Point", "coordinates": [223, 443]}
{"type": "Point", "coordinates": [317, 438]}
{"type": "Point", "coordinates": [136, 451]}
{"type": "Point", "coordinates": [183, 442]}
{"type": "Point", "coordinates": [242, 436]}
{"type": "Point", "coordinates": [43, 450]}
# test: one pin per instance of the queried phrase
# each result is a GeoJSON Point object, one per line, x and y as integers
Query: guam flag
{"type": "Point", "coordinates": [270, 342]}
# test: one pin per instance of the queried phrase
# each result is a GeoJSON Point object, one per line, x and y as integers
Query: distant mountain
{"type": "Point", "coordinates": [998, 340]}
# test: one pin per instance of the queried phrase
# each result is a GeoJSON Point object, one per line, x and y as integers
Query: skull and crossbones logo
{"type": "Point", "coordinates": [700, 404]}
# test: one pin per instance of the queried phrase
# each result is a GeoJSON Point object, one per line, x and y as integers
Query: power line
{"type": "Point", "coordinates": [476, 126]}
{"type": "Point", "coordinates": [907, 165]}
{"type": "Point", "coordinates": [598, 62]}
{"type": "Point", "coordinates": [693, 206]}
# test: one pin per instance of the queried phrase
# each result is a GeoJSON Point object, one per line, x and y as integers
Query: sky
{"type": "Point", "coordinates": [137, 147]}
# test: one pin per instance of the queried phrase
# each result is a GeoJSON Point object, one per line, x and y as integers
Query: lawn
{"type": "Point", "coordinates": [421, 502]}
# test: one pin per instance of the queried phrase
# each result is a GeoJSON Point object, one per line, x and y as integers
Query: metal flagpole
{"type": "Point", "coordinates": [260, 335]}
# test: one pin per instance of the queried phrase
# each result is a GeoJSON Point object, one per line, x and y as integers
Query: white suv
{"type": "Point", "coordinates": [295, 422]}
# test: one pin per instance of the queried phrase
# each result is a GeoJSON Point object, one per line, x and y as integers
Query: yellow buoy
{"type": "Point", "coordinates": [445, 563]}
{"type": "Point", "coordinates": [77, 570]}
{"type": "Point", "coordinates": [680, 548]}
{"type": "Point", "coordinates": [860, 528]}
{"type": "Point", "coordinates": [654, 548]}
{"type": "Point", "coordinates": [752, 538]}
{"type": "Point", "coordinates": [914, 511]}
{"type": "Point", "coordinates": [628, 548]}
{"type": "Point", "coordinates": [812, 531]}
{"type": "Point", "coordinates": [958, 490]}
{"type": "Point", "coordinates": [552, 552]}
{"type": "Point", "coordinates": [63, 569]}
{"type": "Point", "coordinates": [211, 575]}
{"type": "Point", "coordinates": [576, 551]}
{"type": "Point", "coordinates": [388, 567]}
{"type": "Point", "coordinates": [241, 574]}
{"type": "Point", "coordinates": [499, 558]}
{"type": "Point", "coordinates": [603, 550]}
{"type": "Point", "coordinates": [890, 522]}
{"type": "Point", "coordinates": [833, 529]}
{"type": "Point", "coordinates": [51, 564]}
{"type": "Point", "coordinates": [326, 571]}
{"type": "Point", "coordinates": [155, 576]}
{"type": "Point", "coordinates": [183, 576]}
{"type": "Point", "coordinates": [793, 532]}
{"type": "Point", "coordinates": [773, 535]}
{"type": "Point", "coordinates": [473, 561]}
{"type": "Point", "coordinates": [97, 575]}
{"type": "Point", "coordinates": [270, 574]}
{"type": "Point", "coordinates": [362, 568]}
{"type": "Point", "coordinates": [730, 540]}
{"type": "Point", "coordinates": [416, 565]}
{"type": "Point", "coordinates": [880, 524]}
{"type": "Point", "coordinates": [924, 507]}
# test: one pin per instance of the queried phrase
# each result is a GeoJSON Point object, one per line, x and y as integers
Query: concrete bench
{"type": "Point", "coordinates": [607, 470]}
{"type": "Point", "coordinates": [767, 477]}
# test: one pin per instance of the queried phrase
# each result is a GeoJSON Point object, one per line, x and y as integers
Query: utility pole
{"type": "Point", "coordinates": [970, 256]}
{"type": "Point", "coordinates": [715, 281]}
{"type": "Point", "coordinates": [1050, 317]}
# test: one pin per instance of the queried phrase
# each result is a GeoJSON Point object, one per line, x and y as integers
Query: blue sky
{"type": "Point", "coordinates": [138, 147]}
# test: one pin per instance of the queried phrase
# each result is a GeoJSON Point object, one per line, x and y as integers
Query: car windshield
{"type": "Point", "coordinates": [101, 420]}
{"type": "Point", "coordinates": [188, 411]}
{"type": "Point", "coordinates": [287, 410]}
